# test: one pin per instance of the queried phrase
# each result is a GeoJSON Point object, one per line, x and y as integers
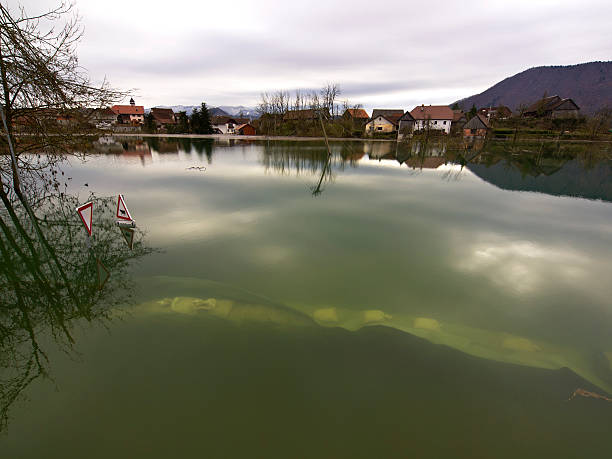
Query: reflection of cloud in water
{"type": "Point", "coordinates": [522, 266]}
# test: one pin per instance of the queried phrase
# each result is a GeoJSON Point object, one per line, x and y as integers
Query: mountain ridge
{"type": "Point", "coordinates": [588, 84]}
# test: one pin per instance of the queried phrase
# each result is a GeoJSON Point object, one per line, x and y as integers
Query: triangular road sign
{"type": "Point", "coordinates": [128, 235]}
{"type": "Point", "coordinates": [122, 211]}
{"type": "Point", "coordinates": [103, 274]}
{"type": "Point", "coordinates": [86, 213]}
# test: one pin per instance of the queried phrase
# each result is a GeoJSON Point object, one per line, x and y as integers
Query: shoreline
{"type": "Point", "coordinates": [331, 139]}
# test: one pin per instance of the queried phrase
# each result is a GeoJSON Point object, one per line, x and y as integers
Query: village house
{"type": "Point", "coordinates": [357, 115]}
{"type": "Point", "coordinates": [436, 117]}
{"type": "Point", "coordinates": [103, 117]}
{"type": "Point", "coordinates": [245, 129]}
{"type": "Point", "coordinates": [406, 124]}
{"type": "Point", "coordinates": [384, 120]}
{"type": "Point", "coordinates": [552, 107]}
{"type": "Point", "coordinates": [500, 113]}
{"type": "Point", "coordinates": [129, 114]}
{"type": "Point", "coordinates": [223, 124]}
{"type": "Point", "coordinates": [478, 126]}
{"type": "Point", "coordinates": [163, 117]}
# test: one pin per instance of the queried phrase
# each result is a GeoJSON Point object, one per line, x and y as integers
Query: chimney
{"type": "Point", "coordinates": [132, 102]}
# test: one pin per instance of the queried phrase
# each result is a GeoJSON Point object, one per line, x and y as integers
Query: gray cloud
{"type": "Point", "coordinates": [401, 52]}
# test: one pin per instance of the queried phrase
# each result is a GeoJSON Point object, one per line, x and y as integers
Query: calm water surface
{"type": "Point", "coordinates": [412, 301]}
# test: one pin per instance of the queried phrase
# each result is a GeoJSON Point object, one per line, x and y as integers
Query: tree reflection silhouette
{"type": "Point", "coordinates": [48, 274]}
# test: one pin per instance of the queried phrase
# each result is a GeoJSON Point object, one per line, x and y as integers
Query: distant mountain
{"type": "Point", "coordinates": [216, 111]}
{"type": "Point", "coordinates": [236, 110]}
{"type": "Point", "coordinates": [589, 85]}
{"type": "Point", "coordinates": [228, 110]}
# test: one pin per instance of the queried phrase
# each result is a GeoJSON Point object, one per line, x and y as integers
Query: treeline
{"type": "Point", "coordinates": [301, 113]}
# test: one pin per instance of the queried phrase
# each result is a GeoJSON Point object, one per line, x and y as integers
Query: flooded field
{"type": "Point", "coordinates": [392, 300]}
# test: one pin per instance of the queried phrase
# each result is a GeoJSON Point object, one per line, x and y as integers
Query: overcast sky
{"type": "Point", "coordinates": [392, 54]}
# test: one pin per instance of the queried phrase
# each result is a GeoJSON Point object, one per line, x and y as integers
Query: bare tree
{"type": "Point", "coordinates": [42, 83]}
{"type": "Point", "coordinates": [600, 121]}
{"type": "Point", "coordinates": [329, 93]}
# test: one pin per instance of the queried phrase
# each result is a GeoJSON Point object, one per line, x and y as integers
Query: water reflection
{"type": "Point", "coordinates": [49, 276]}
{"type": "Point", "coordinates": [582, 170]}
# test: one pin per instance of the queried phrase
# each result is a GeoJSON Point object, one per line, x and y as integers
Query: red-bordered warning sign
{"type": "Point", "coordinates": [86, 213]}
{"type": "Point", "coordinates": [122, 211]}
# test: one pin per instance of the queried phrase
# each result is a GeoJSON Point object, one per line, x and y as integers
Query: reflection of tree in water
{"type": "Point", "coordinates": [48, 277]}
{"type": "Point", "coordinates": [204, 146]}
{"type": "Point", "coordinates": [310, 158]}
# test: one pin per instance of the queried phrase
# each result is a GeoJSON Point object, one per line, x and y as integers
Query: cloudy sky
{"type": "Point", "coordinates": [385, 54]}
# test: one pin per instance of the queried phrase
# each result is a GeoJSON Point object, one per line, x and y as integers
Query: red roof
{"type": "Point", "coordinates": [432, 112]}
{"type": "Point", "coordinates": [163, 115]}
{"type": "Point", "coordinates": [128, 109]}
{"type": "Point", "coordinates": [357, 113]}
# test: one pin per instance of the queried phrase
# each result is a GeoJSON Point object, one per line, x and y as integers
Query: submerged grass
{"type": "Point", "coordinates": [240, 306]}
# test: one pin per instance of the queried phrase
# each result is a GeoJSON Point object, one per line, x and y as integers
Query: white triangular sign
{"type": "Point", "coordinates": [86, 213]}
{"type": "Point", "coordinates": [122, 211]}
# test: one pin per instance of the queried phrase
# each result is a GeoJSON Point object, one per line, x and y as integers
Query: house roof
{"type": "Point", "coordinates": [546, 103]}
{"type": "Point", "coordinates": [163, 115]}
{"type": "Point", "coordinates": [432, 112]}
{"type": "Point", "coordinates": [237, 128]}
{"type": "Point", "coordinates": [387, 112]}
{"type": "Point", "coordinates": [128, 109]}
{"type": "Point", "coordinates": [406, 117]}
{"type": "Point", "coordinates": [217, 120]}
{"type": "Point", "coordinates": [551, 103]}
{"type": "Point", "coordinates": [357, 113]}
{"type": "Point", "coordinates": [477, 122]}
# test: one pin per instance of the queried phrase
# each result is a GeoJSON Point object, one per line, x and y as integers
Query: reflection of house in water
{"type": "Point", "coordinates": [414, 154]}
{"type": "Point", "coordinates": [122, 147]}
{"type": "Point", "coordinates": [426, 162]}
{"type": "Point", "coordinates": [107, 144]}
{"type": "Point", "coordinates": [378, 149]}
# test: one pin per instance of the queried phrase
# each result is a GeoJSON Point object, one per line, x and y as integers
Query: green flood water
{"type": "Point", "coordinates": [390, 301]}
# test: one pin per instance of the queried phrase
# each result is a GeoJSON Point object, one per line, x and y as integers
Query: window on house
{"type": "Point", "coordinates": [443, 122]}
{"type": "Point", "coordinates": [435, 122]}
{"type": "Point", "coordinates": [379, 128]}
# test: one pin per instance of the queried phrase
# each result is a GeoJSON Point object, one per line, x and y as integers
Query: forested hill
{"type": "Point", "coordinates": [589, 85]}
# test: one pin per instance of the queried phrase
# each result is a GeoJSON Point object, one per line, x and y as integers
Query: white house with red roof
{"type": "Point", "coordinates": [433, 117]}
{"type": "Point", "coordinates": [129, 114]}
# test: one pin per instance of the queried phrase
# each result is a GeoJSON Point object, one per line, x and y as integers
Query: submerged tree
{"type": "Point", "coordinates": [52, 276]}
{"type": "Point", "coordinates": [48, 271]}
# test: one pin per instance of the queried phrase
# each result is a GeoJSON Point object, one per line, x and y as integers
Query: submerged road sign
{"type": "Point", "coordinates": [86, 213]}
{"type": "Point", "coordinates": [103, 274]}
{"type": "Point", "coordinates": [122, 211]}
{"type": "Point", "coordinates": [128, 235]}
